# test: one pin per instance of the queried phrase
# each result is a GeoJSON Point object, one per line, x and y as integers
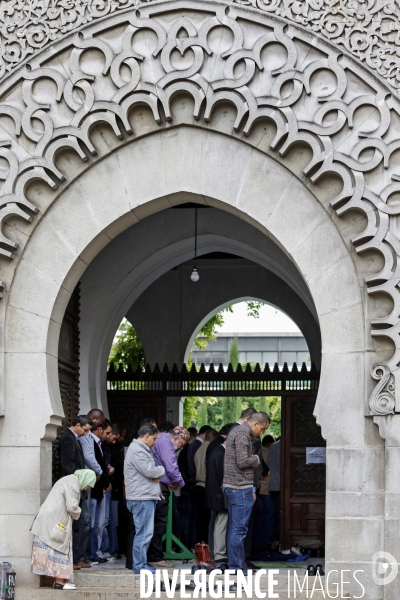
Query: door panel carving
{"type": "Point", "coordinates": [68, 371]}
{"type": "Point", "coordinates": [303, 486]}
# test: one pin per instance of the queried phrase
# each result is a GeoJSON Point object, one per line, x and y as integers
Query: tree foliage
{"type": "Point", "coordinates": [127, 348]}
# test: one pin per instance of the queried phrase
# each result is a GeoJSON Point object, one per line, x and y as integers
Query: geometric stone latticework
{"type": "Point", "coordinates": [369, 31]}
{"type": "Point", "coordinates": [312, 93]}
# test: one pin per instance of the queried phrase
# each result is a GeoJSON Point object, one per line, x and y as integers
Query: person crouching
{"type": "Point", "coordinates": [52, 528]}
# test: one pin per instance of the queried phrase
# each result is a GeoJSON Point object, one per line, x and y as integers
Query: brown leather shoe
{"type": "Point", "coordinates": [85, 565]}
{"type": "Point", "coordinates": [77, 567]}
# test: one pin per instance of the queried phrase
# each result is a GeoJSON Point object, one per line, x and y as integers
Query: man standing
{"type": "Point", "coordinates": [97, 503]}
{"type": "Point", "coordinates": [142, 478]}
{"type": "Point", "coordinates": [239, 466]}
{"type": "Point", "coordinates": [87, 443]}
{"type": "Point", "coordinates": [216, 503]}
{"type": "Point", "coordinates": [274, 463]}
{"type": "Point", "coordinates": [164, 451]}
{"type": "Point", "coordinates": [72, 460]}
{"type": "Point", "coordinates": [192, 451]}
{"type": "Point", "coordinates": [202, 511]}
{"type": "Point", "coordinates": [245, 416]}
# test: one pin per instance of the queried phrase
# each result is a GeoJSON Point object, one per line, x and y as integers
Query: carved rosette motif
{"type": "Point", "coordinates": [286, 95]}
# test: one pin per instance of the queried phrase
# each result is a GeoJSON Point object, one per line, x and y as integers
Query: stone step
{"type": "Point", "coordinates": [111, 579]}
{"type": "Point", "coordinates": [120, 594]}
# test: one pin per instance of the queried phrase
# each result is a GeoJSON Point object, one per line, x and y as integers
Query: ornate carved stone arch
{"type": "Point", "coordinates": [313, 93]}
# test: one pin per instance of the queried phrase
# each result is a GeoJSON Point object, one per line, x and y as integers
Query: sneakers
{"type": "Point", "coordinates": [161, 563]}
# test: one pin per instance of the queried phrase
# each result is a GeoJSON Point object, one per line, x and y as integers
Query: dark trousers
{"type": "Point", "coordinates": [276, 496]}
{"type": "Point", "coordinates": [155, 552]}
{"type": "Point", "coordinates": [129, 547]}
{"type": "Point", "coordinates": [81, 529]}
{"type": "Point", "coordinates": [202, 514]}
{"type": "Point", "coordinates": [211, 526]}
{"type": "Point", "coordinates": [188, 525]}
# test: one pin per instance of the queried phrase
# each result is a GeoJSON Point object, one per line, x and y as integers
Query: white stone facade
{"type": "Point", "coordinates": [235, 108]}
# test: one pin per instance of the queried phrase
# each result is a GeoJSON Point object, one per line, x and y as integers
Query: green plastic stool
{"type": "Point", "coordinates": [169, 537]}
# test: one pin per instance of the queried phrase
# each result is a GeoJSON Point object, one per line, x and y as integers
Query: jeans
{"type": "Point", "coordinates": [113, 528]}
{"type": "Point", "coordinates": [105, 542]}
{"type": "Point", "coordinates": [97, 515]}
{"type": "Point", "coordinates": [156, 550]}
{"type": "Point", "coordinates": [143, 517]}
{"type": "Point", "coordinates": [264, 522]}
{"type": "Point", "coordinates": [240, 504]}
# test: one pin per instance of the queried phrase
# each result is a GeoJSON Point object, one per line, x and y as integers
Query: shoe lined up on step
{"type": "Point", "coordinates": [313, 570]}
{"type": "Point", "coordinates": [65, 586]}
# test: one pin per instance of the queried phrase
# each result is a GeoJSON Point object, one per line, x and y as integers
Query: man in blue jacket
{"type": "Point", "coordinates": [142, 488]}
{"type": "Point", "coordinates": [164, 452]}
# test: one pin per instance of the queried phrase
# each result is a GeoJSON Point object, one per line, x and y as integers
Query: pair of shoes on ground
{"type": "Point", "coordinates": [312, 570]}
{"type": "Point", "coordinates": [65, 586]}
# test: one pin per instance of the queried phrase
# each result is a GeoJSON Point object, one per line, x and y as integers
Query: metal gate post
{"type": "Point", "coordinates": [169, 537]}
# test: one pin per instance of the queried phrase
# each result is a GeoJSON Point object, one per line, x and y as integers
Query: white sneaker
{"type": "Point", "coordinates": [69, 586]}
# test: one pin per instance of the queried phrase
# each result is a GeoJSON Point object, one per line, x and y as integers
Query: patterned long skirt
{"type": "Point", "coordinates": [49, 562]}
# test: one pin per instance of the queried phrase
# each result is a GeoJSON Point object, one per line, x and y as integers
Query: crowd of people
{"type": "Point", "coordinates": [224, 487]}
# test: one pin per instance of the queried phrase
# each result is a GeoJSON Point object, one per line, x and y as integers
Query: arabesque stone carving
{"type": "Point", "coordinates": [367, 29]}
{"type": "Point", "coordinates": [288, 94]}
{"type": "Point", "coordinates": [382, 401]}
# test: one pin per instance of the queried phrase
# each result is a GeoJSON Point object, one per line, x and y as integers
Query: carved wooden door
{"type": "Point", "coordinates": [303, 486]}
{"type": "Point", "coordinates": [128, 411]}
{"type": "Point", "coordinates": [68, 371]}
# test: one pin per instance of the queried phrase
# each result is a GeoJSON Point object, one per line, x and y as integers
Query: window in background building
{"type": "Point", "coordinates": [242, 357]}
{"type": "Point", "coordinates": [219, 357]}
{"type": "Point", "coordinates": [270, 357]}
{"type": "Point", "coordinates": [254, 357]}
{"type": "Point", "coordinates": [288, 357]}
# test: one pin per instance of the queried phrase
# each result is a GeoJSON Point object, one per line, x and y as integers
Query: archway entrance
{"type": "Point", "coordinates": [282, 129]}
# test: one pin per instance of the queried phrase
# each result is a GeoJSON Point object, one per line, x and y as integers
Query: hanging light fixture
{"type": "Point", "coordinates": [195, 274]}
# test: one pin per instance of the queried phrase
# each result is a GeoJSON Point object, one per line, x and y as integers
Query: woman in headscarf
{"type": "Point", "coordinates": [52, 528]}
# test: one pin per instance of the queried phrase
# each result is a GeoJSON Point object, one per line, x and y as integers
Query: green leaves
{"type": "Point", "coordinates": [127, 348]}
